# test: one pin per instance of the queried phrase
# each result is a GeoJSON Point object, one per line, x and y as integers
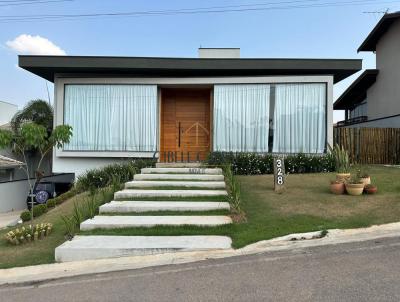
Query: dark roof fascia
{"type": "Point", "coordinates": [379, 30]}
{"type": "Point", "coordinates": [357, 91]}
{"type": "Point", "coordinates": [47, 66]}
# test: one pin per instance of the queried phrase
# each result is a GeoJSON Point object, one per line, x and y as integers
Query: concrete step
{"type": "Point", "coordinates": [131, 193]}
{"type": "Point", "coordinates": [97, 247]}
{"type": "Point", "coordinates": [199, 177]}
{"type": "Point", "coordinates": [165, 183]}
{"type": "Point", "coordinates": [178, 165]}
{"type": "Point", "coordinates": [117, 222]}
{"type": "Point", "coordinates": [148, 206]}
{"type": "Point", "coordinates": [212, 171]}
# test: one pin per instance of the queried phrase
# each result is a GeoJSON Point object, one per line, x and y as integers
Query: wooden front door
{"type": "Point", "coordinates": [185, 125]}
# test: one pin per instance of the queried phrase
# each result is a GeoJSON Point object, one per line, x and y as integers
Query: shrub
{"type": "Point", "coordinates": [25, 216]}
{"type": "Point", "coordinates": [67, 195]}
{"type": "Point", "coordinates": [29, 233]}
{"type": "Point", "coordinates": [102, 177]}
{"type": "Point", "coordinates": [341, 157]}
{"type": "Point", "coordinates": [51, 203]}
{"type": "Point", "coordinates": [39, 210]}
{"type": "Point", "coordinates": [254, 163]}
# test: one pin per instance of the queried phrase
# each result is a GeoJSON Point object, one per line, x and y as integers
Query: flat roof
{"type": "Point", "coordinates": [379, 30]}
{"type": "Point", "coordinates": [47, 66]}
{"type": "Point", "coordinates": [357, 91]}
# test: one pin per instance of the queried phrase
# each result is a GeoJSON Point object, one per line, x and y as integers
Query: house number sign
{"type": "Point", "coordinates": [279, 174]}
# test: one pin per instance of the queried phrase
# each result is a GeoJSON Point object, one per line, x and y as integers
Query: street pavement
{"type": "Point", "coordinates": [364, 271]}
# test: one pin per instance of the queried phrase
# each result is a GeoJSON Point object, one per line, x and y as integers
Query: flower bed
{"type": "Point", "coordinates": [29, 233]}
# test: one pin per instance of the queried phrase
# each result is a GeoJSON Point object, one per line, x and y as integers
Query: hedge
{"type": "Point", "coordinates": [102, 177]}
{"type": "Point", "coordinates": [256, 163]}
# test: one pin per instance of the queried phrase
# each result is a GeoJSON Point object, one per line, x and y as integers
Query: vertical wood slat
{"type": "Point", "coordinates": [370, 145]}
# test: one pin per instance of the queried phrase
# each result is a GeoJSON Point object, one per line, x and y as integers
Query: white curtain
{"type": "Point", "coordinates": [241, 118]}
{"type": "Point", "coordinates": [300, 118]}
{"type": "Point", "coordinates": [111, 117]}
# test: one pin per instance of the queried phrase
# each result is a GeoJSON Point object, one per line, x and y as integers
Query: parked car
{"type": "Point", "coordinates": [43, 191]}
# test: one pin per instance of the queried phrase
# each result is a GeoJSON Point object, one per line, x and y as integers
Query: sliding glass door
{"type": "Point", "coordinates": [280, 118]}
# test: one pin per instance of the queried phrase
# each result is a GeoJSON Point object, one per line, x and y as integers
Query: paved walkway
{"type": "Point", "coordinates": [9, 219]}
{"type": "Point", "coordinates": [156, 192]}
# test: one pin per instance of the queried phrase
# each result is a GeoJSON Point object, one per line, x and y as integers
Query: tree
{"type": "Point", "coordinates": [37, 111]}
{"type": "Point", "coordinates": [33, 136]}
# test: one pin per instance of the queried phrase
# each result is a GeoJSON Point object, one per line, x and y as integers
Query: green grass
{"type": "Point", "coordinates": [41, 251]}
{"type": "Point", "coordinates": [306, 205]}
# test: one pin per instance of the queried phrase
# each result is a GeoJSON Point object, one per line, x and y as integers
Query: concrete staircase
{"type": "Point", "coordinates": [172, 188]}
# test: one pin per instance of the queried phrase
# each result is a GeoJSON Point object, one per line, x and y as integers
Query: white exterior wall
{"type": "Point", "coordinates": [7, 111]}
{"type": "Point", "coordinates": [384, 96]}
{"type": "Point", "coordinates": [79, 162]}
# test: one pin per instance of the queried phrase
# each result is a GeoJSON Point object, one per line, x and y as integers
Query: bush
{"type": "Point", "coordinates": [255, 163]}
{"type": "Point", "coordinates": [39, 210]}
{"type": "Point", "coordinates": [51, 203]}
{"type": "Point", "coordinates": [102, 177]}
{"type": "Point", "coordinates": [25, 216]}
{"type": "Point", "coordinates": [67, 195]}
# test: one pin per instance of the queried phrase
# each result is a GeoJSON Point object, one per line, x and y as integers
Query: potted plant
{"type": "Point", "coordinates": [370, 189]}
{"type": "Point", "coordinates": [342, 163]}
{"type": "Point", "coordinates": [354, 186]}
{"type": "Point", "coordinates": [365, 178]}
{"type": "Point", "coordinates": [337, 187]}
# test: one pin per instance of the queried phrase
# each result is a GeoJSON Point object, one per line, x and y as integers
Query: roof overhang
{"type": "Point", "coordinates": [379, 30]}
{"type": "Point", "coordinates": [357, 91]}
{"type": "Point", "coordinates": [48, 66]}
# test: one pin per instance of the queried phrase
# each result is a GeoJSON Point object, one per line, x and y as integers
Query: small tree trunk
{"type": "Point", "coordinates": [31, 206]}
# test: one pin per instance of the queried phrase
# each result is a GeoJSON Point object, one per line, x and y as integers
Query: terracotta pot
{"type": "Point", "coordinates": [371, 190]}
{"type": "Point", "coordinates": [354, 189]}
{"type": "Point", "coordinates": [337, 188]}
{"type": "Point", "coordinates": [365, 180]}
{"type": "Point", "coordinates": [343, 177]}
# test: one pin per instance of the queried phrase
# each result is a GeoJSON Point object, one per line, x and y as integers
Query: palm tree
{"type": "Point", "coordinates": [37, 111]}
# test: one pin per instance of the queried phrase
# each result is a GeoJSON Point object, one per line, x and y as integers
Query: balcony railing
{"type": "Point", "coordinates": [352, 121]}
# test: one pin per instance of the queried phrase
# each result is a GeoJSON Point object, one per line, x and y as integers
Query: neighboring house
{"type": "Point", "coordinates": [373, 100]}
{"type": "Point", "coordinates": [8, 168]}
{"type": "Point", "coordinates": [7, 111]}
{"type": "Point", "coordinates": [180, 109]}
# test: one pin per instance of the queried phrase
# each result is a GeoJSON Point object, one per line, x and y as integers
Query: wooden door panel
{"type": "Point", "coordinates": [185, 115]}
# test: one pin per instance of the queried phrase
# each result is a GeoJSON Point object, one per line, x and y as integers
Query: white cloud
{"type": "Point", "coordinates": [34, 45]}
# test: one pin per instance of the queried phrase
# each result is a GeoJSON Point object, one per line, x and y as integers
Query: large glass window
{"type": "Point", "coordinates": [282, 118]}
{"type": "Point", "coordinates": [241, 118]}
{"type": "Point", "coordinates": [299, 118]}
{"type": "Point", "coordinates": [111, 117]}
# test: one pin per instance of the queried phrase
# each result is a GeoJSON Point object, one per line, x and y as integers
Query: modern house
{"type": "Point", "coordinates": [373, 100]}
{"type": "Point", "coordinates": [180, 109]}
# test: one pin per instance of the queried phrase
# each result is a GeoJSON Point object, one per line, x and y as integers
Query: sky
{"type": "Point", "coordinates": [281, 29]}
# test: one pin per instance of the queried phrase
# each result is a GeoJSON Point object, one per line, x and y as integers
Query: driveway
{"type": "Point", "coordinates": [9, 219]}
{"type": "Point", "coordinates": [366, 271]}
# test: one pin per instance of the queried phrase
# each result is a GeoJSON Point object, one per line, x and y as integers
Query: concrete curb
{"type": "Point", "coordinates": [46, 272]}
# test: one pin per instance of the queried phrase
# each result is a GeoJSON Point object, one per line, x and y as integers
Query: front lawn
{"type": "Point", "coordinates": [41, 251]}
{"type": "Point", "coordinates": [307, 205]}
